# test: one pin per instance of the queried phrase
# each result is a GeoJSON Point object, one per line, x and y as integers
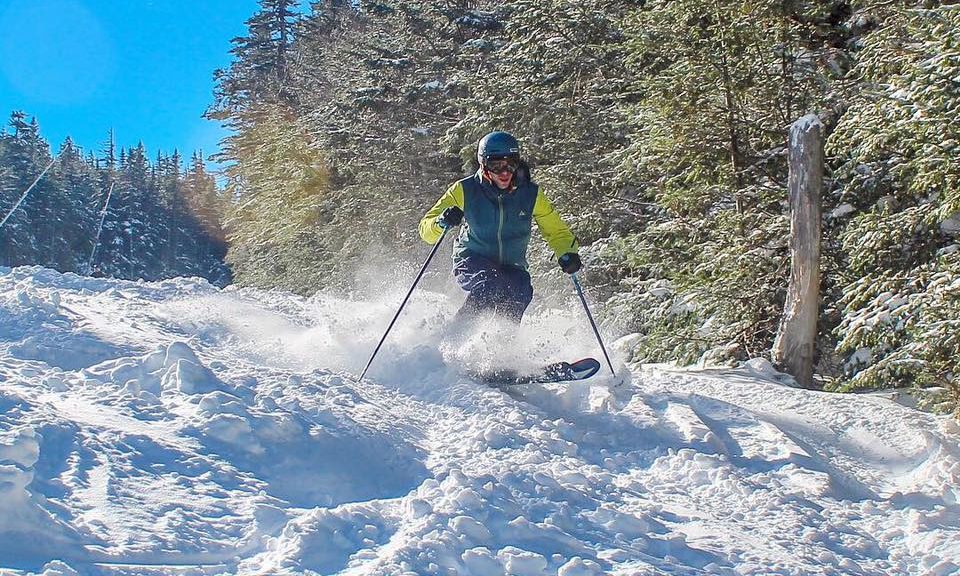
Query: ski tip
{"type": "Point", "coordinates": [586, 363]}
{"type": "Point", "coordinates": [585, 368]}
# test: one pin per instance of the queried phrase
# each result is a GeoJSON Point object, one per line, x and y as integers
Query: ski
{"type": "Point", "coordinates": [556, 372]}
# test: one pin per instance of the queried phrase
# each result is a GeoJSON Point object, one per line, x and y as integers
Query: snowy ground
{"type": "Point", "coordinates": [173, 428]}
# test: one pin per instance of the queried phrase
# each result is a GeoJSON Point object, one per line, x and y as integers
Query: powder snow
{"type": "Point", "coordinates": [177, 428]}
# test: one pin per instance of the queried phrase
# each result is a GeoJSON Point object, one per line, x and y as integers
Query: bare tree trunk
{"type": "Point", "coordinates": [794, 347]}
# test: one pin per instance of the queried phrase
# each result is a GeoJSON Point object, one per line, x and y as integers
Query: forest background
{"type": "Point", "coordinates": [658, 128]}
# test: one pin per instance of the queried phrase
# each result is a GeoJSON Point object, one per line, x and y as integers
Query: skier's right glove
{"type": "Point", "coordinates": [570, 262]}
{"type": "Point", "coordinates": [451, 217]}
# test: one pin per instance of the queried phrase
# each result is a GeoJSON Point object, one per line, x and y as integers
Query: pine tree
{"type": "Point", "coordinates": [205, 207]}
{"type": "Point", "coordinates": [131, 239]}
{"type": "Point", "coordinates": [105, 237]}
{"type": "Point", "coordinates": [717, 85]}
{"type": "Point", "coordinates": [277, 186]}
{"type": "Point", "coordinates": [899, 162]}
{"type": "Point", "coordinates": [171, 201]}
{"type": "Point", "coordinates": [658, 127]}
{"type": "Point", "coordinates": [151, 228]}
{"type": "Point", "coordinates": [29, 229]}
{"type": "Point", "coordinates": [377, 84]}
{"type": "Point", "coordinates": [259, 73]}
{"type": "Point", "coordinates": [556, 78]}
{"type": "Point", "coordinates": [77, 179]}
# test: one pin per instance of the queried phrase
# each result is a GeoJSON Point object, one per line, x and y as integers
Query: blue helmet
{"type": "Point", "coordinates": [497, 145]}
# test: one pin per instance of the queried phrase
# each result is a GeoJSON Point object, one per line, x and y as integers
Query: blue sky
{"type": "Point", "coordinates": [142, 67]}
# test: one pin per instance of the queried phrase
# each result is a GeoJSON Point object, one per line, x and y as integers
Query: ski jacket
{"type": "Point", "coordinates": [497, 223]}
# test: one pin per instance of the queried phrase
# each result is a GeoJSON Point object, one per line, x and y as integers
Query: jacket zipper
{"type": "Point", "coordinates": [500, 228]}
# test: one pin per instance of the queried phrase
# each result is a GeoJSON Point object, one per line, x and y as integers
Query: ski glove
{"type": "Point", "coordinates": [451, 217]}
{"type": "Point", "coordinates": [570, 262]}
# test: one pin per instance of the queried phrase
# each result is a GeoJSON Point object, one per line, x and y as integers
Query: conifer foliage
{"type": "Point", "coordinates": [718, 84]}
{"type": "Point", "coordinates": [899, 148]}
{"type": "Point", "coordinates": [161, 222]}
{"type": "Point", "coordinates": [658, 128]}
{"type": "Point", "coordinates": [356, 145]}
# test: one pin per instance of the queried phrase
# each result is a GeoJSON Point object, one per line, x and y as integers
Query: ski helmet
{"type": "Point", "coordinates": [497, 145]}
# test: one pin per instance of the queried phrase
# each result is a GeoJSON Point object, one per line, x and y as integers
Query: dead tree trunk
{"type": "Point", "coordinates": [793, 349]}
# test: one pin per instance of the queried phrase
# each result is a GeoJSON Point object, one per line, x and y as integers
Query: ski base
{"type": "Point", "coordinates": [556, 372]}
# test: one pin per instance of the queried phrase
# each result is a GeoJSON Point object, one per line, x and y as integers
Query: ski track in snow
{"type": "Point", "coordinates": [174, 428]}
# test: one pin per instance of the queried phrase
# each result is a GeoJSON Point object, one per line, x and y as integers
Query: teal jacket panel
{"type": "Point", "coordinates": [496, 222]}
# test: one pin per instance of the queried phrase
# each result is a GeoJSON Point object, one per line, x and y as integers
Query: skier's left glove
{"type": "Point", "coordinates": [570, 262]}
{"type": "Point", "coordinates": [451, 217]}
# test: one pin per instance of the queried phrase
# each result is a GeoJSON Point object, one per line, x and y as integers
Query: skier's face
{"type": "Point", "coordinates": [500, 171]}
{"type": "Point", "coordinates": [501, 180]}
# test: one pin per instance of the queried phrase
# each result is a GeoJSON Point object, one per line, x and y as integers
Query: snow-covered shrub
{"type": "Point", "coordinates": [899, 147]}
{"type": "Point", "coordinates": [693, 289]}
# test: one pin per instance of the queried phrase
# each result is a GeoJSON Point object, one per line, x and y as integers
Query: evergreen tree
{"type": "Point", "coordinates": [556, 77]}
{"type": "Point", "coordinates": [104, 237]}
{"type": "Point", "coordinates": [392, 81]}
{"type": "Point", "coordinates": [897, 145]}
{"type": "Point", "coordinates": [26, 233]}
{"type": "Point", "coordinates": [259, 72]}
{"type": "Point", "coordinates": [717, 87]}
{"type": "Point", "coordinates": [203, 208]}
{"type": "Point", "coordinates": [115, 255]}
{"type": "Point", "coordinates": [659, 126]}
{"type": "Point", "coordinates": [159, 222]}
{"type": "Point", "coordinates": [173, 202]}
{"type": "Point", "coordinates": [273, 225]}
{"type": "Point", "coordinates": [77, 179]}
{"type": "Point", "coordinates": [378, 85]}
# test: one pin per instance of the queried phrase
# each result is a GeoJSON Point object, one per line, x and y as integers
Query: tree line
{"type": "Point", "coordinates": [659, 127]}
{"type": "Point", "coordinates": [115, 214]}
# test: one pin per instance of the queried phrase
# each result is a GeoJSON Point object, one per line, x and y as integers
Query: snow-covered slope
{"type": "Point", "coordinates": [173, 428]}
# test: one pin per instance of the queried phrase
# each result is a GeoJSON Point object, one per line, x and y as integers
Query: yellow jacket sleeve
{"type": "Point", "coordinates": [552, 227]}
{"type": "Point", "coordinates": [429, 230]}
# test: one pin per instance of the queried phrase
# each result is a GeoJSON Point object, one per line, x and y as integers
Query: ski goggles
{"type": "Point", "coordinates": [501, 165]}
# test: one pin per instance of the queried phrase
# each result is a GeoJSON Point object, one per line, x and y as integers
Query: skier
{"type": "Point", "coordinates": [497, 206]}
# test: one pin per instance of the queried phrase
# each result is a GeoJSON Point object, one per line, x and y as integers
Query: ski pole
{"type": "Point", "coordinates": [404, 303]}
{"type": "Point", "coordinates": [576, 284]}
